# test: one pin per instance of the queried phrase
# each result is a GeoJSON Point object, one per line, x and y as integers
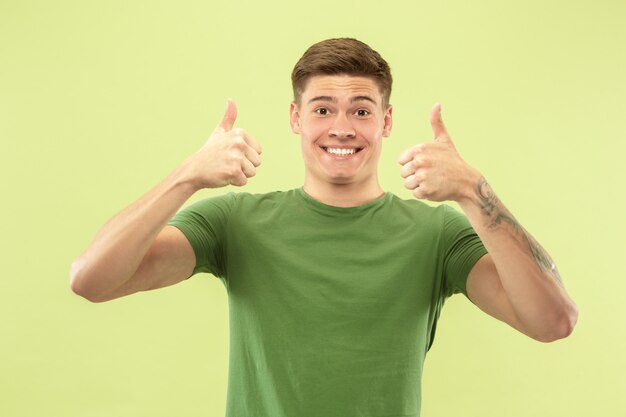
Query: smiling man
{"type": "Point", "coordinates": [335, 288]}
{"type": "Point", "coordinates": [341, 120]}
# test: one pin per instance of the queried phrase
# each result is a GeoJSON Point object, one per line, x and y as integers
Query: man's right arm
{"type": "Point", "coordinates": [136, 250]}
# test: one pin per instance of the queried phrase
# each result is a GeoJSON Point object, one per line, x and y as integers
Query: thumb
{"type": "Point", "coordinates": [228, 120]}
{"type": "Point", "coordinates": [439, 129]}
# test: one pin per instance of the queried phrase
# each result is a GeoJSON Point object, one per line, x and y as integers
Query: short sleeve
{"type": "Point", "coordinates": [462, 249]}
{"type": "Point", "coordinates": [204, 224]}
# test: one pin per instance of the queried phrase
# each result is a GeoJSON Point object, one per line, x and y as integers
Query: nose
{"type": "Point", "coordinates": [341, 128]}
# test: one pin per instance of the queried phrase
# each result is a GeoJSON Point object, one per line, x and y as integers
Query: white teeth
{"type": "Point", "coordinates": [341, 151]}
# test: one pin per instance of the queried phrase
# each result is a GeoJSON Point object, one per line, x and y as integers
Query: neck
{"type": "Point", "coordinates": [343, 195]}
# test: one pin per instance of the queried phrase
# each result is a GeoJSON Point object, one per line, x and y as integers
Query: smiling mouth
{"type": "Point", "coordinates": [341, 151]}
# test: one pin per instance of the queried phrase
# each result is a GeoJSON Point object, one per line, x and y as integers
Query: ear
{"type": "Point", "coordinates": [388, 121]}
{"type": "Point", "coordinates": [294, 117]}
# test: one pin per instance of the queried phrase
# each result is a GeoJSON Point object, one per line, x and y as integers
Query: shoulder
{"type": "Point", "coordinates": [239, 198]}
{"type": "Point", "coordinates": [237, 202]}
{"type": "Point", "coordinates": [269, 196]}
{"type": "Point", "coordinates": [246, 200]}
{"type": "Point", "coordinates": [417, 208]}
{"type": "Point", "coordinates": [441, 218]}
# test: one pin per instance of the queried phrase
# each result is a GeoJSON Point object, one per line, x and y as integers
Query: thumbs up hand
{"type": "Point", "coordinates": [435, 171]}
{"type": "Point", "coordinates": [229, 157]}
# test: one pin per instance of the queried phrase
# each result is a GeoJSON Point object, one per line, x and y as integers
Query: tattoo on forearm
{"type": "Point", "coordinates": [497, 214]}
{"type": "Point", "coordinates": [490, 205]}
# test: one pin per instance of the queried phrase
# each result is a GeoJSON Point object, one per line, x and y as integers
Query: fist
{"type": "Point", "coordinates": [435, 171]}
{"type": "Point", "coordinates": [229, 157]}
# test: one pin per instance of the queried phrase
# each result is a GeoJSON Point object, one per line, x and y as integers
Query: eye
{"type": "Point", "coordinates": [321, 111]}
{"type": "Point", "coordinates": [362, 113]}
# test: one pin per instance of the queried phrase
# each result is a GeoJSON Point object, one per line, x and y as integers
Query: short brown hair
{"type": "Point", "coordinates": [341, 56]}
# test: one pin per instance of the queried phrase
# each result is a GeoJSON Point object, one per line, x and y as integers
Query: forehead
{"type": "Point", "coordinates": [341, 86]}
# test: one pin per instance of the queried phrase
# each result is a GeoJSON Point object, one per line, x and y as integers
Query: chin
{"type": "Point", "coordinates": [339, 177]}
{"type": "Point", "coordinates": [342, 179]}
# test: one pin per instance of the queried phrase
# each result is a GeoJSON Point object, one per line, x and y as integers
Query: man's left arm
{"type": "Point", "coordinates": [517, 281]}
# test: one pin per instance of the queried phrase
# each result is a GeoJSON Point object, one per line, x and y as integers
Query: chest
{"type": "Point", "coordinates": [364, 263]}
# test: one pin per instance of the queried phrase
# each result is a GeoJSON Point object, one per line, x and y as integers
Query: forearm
{"type": "Point", "coordinates": [116, 252]}
{"type": "Point", "coordinates": [115, 263]}
{"type": "Point", "coordinates": [528, 275]}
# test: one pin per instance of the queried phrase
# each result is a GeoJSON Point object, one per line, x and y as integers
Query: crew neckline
{"type": "Point", "coordinates": [327, 208]}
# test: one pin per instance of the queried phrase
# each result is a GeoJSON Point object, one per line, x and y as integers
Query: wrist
{"type": "Point", "coordinates": [183, 178]}
{"type": "Point", "coordinates": [471, 190]}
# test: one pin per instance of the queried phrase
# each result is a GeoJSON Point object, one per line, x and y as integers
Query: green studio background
{"type": "Point", "coordinates": [101, 100]}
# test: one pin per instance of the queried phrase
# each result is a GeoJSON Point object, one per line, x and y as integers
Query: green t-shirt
{"type": "Point", "coordinates": [331, 309]}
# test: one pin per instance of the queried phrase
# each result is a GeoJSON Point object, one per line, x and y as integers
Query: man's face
{"type": "Point", "coordinates": [341, 122]}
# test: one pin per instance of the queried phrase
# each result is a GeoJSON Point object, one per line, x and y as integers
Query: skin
{"type": "Point", "coordinates": [516, 282]}
{"type": "Point", "coordinates": [136, 250]}
{"type": "Point", "coordinates": [341, 112]}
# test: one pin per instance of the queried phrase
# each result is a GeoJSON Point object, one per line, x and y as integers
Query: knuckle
{"type": "Point", "coordinates": [411, 182]}
{"type": "Point", "coordinates": [239, 180]}
{"type": "Point", "coordinates": [238, 141]}
{"type": "Point", "coordinates": [422, 162]}
{"type": "Point", "coordinates": [406, 155]}
{"type": "Point", "coordinates": [234, 171]}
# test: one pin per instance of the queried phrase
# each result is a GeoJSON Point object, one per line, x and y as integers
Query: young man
{"type": "Point", "coordinates": [334, 288]}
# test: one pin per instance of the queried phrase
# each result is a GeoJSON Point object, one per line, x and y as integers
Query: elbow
{"type": "Point", "coordinates": [562, 326]}
{"type": "Point", "coordinates": [79, 282]}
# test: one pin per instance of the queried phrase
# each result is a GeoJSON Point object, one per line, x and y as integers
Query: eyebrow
{"type": "Point", "coordinates": [334, 100]}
